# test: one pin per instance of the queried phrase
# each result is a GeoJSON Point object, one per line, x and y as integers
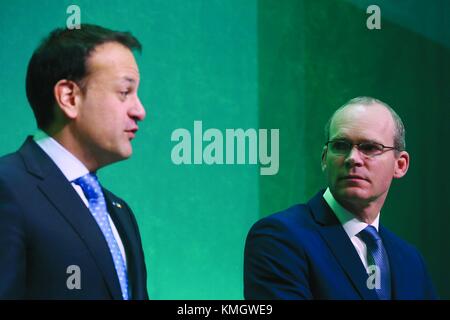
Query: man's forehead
{"type": "Point", "coordinates": [115, 75]}
{"type": "Point", "coordinates": [357, 119]}
{"type": "Point", "coordinates": [113, 58]}
{"type": "Point", "coordinates": [362, 113]}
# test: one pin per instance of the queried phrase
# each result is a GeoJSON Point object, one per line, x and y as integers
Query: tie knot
{"type": "Point", "coordinates": [90, 186]}
{"type": "Point", "coordinates": [370, 235]}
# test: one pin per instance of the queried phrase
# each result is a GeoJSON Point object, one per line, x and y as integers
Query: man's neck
{"type": "Point", "coordinates": [65, 138]}
{"type": "Point", "coordinates": [365, 211]}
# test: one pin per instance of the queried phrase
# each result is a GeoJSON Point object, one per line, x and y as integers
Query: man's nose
{"type": "Point", "coordinates": [138, 111]}
{"type": "Point", "coordinates": [354, 158]}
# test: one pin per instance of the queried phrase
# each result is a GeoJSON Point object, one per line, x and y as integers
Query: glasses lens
{"type": "Point", "coordinates": [340, 146]}
{"type": "Point", "coordinates": [370, 148]}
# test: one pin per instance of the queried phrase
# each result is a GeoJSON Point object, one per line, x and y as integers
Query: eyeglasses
{"type": "Point", "coordinates": [368, 148]}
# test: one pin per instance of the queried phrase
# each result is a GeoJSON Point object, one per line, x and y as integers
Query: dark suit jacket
{"type": "Point", "coordinates": [305, 253]}
{"type": "Point", "coordinates": [45, 227]}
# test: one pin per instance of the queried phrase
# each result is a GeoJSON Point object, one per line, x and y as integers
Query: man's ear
{"type": "Point", "coordinates": [67, 95]}
{"type": "Point", "coordinates": [324, 158]}
{"type": "Point", "coordinates": [401, 164]}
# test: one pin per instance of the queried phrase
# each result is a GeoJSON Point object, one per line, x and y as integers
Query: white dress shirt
{"type": "Point", "coordinates": [72, 168]}
{"type": "Point", "coordinates": [351, 224]}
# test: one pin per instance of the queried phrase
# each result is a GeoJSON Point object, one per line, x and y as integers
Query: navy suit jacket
{"type": "Point", "coordinates": [305, 253]}
{"type": "Point", "coordinates": [45, 227]}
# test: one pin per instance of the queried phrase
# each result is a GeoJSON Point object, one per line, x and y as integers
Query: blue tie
{"type": "Point", "coordinates": [97, 205]}
{"type": "Point", "coordinates": [376, 255]}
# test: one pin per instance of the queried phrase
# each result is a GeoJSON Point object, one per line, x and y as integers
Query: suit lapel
{"type": "Point", "coordinates": [345, 253]}
{"type": "Point", "coordinates": [121, 220]}
{"type": "Point", "coordinates": [400, 279]}
{"type": "Point", "coordinates": [126, 226]}
{"type": "Point", "coordinates": [341, 246]}
{"type": "Point", "coordinates": [65, 199]}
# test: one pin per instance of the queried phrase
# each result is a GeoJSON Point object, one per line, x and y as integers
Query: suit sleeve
{"type": "Point", "coordinates": [12, 247]}
{"type": "Point", "coordinates": [429, 292]}
{"type": "Point", "coordinates": [275, 266]}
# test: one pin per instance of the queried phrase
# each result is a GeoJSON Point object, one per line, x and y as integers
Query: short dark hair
{"type": "Point", "coordinates": [63, 55]}
{"type": "Point", "coordinates": [400, 132]}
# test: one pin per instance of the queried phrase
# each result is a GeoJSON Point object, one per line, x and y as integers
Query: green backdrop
{"type": "Point", "coordinates": [254, 64]}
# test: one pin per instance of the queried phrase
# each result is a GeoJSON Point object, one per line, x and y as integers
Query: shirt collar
{"type": "Point", "coordinates": [351, 224]}
{"type": "Point", "coordinates": [70, 166]}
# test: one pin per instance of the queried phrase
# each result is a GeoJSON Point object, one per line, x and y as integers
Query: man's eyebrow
{"type": "Point", "coordinates": [128, 79]}
{"type": "Point", "coordinates": [343, 138]}
{"type": "Point", "coordinates": [338, 137]}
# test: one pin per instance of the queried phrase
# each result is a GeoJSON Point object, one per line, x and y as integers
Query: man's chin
{"type": "Point", "coordinates": [121, 154]}
{"type": "Point", "coordinates": [126, 154]}
{"type": "Point", "coordinates": [353, 194]}
{"type": "Point", "coordinates": [125, 151]}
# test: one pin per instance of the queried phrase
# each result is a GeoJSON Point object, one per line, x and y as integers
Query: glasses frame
{"type": "Point", "coordinates": [384, 148]}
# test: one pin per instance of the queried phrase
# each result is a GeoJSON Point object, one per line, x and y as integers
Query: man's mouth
{"type": "Point", "coordinates": [132, 132]}
{"type": "Point", "coordinates": [353, 177]}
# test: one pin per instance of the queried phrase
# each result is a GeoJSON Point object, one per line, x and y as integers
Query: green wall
{"type": "Point", "coordinates": [253, 64]}
{"type": "Point", "coordinates": [198, 63]}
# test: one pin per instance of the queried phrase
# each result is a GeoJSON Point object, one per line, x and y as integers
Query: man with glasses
{"type": "Point", "coordinates": [333, 247]}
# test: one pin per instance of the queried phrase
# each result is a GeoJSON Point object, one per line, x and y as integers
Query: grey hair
{"type": "Point", "coordinates": [399, 134]}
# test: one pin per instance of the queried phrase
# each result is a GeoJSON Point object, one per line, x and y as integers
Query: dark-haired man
{"type": "Point", "coordinates": [333, 246]}
{"type": "Point", "coordinates": [63, 236]}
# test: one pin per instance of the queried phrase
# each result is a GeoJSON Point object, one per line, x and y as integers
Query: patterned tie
{"type": "Point", "coordinates": [97, 205]}
{"type": "Point", "coordinates": [376, 255]}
